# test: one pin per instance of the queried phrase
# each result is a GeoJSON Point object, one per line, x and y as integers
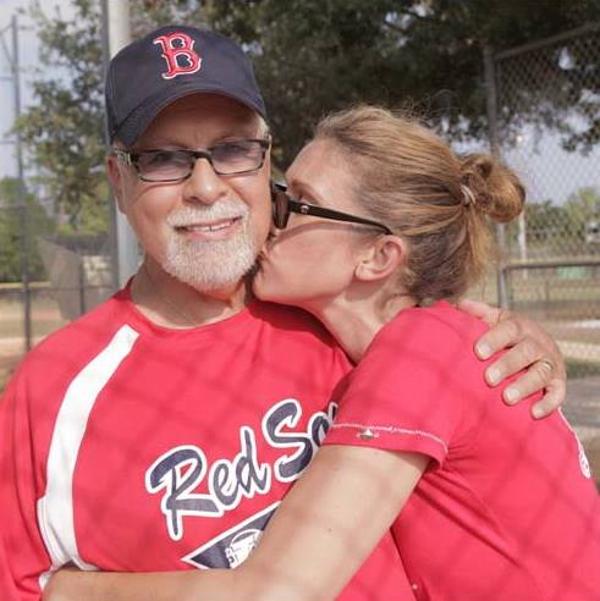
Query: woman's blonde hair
{"type": "Point", "coordinates": [408, 178]}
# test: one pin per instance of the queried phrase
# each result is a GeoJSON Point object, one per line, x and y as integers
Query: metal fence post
{"type": "Point", "coordinates": [492, 115]}
{"type": "Point", "coordinates": [22, 207]}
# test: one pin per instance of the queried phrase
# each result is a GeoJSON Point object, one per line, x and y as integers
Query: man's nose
{"type": "Point", "coordinates": [204, 185]}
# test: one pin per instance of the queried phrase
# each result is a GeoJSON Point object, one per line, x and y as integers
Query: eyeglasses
{"type": "Point", "coordinates": [227, 158]}
{"type": "Point", "coordinates": [283, 206]}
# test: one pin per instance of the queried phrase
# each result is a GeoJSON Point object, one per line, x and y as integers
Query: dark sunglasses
{"type": "Point", "coordinates": [284, 205]}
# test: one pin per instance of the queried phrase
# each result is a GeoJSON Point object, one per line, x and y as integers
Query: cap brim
{"type": "Point", "coordinates": [139, 119]}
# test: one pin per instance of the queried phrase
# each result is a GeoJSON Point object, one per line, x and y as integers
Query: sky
{"type": "Point", "coordinates": [548, 171]}
{"type": "Point", "coordinates": [28, 59]}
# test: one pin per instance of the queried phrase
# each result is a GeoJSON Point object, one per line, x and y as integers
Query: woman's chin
{"type": "Point", "coordinates": [260, 286]}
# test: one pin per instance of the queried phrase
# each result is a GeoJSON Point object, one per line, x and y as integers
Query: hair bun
{"type": "Point", "coordinates": [497, 190]}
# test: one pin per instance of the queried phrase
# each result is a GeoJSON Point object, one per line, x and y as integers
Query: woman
{"type": "Point", "coordinates": [385, 227]}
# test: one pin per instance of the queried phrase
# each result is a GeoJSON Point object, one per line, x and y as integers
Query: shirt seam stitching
{"type": "Point", "coordinates": [393, 430]}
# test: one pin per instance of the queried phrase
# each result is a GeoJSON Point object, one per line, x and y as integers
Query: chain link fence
{"type": "Point", "coordinates": [46, 279]}
{"type": "Point", "coordinates": [545, 123]}
{"type": "Point", "coordinates": [544, 113]}
{"type": "Point", "coordinates": [545, 119]}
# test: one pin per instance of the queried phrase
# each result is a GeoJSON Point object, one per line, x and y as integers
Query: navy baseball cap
{"type": "Point", "coordinates": [170, 63]}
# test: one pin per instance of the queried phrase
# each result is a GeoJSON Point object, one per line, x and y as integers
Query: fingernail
{"type": "Point", "coordinates": [511, 395]}
{"type": "Point", "coordinates": [537, 412]}
{"type": "Point", "coordinates": [483, 350]}
{"type": "Point", "coordinates": [493, 376]}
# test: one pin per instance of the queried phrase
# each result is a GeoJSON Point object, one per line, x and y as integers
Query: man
{"type": "Point", "coordinates": [160, 430]}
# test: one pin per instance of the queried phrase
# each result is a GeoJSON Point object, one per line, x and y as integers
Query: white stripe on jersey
{"type": "Point", "coordinates": [55, 508]}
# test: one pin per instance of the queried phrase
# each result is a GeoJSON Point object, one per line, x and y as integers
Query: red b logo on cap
{"type": "Point", "coordinates": [171, 52]}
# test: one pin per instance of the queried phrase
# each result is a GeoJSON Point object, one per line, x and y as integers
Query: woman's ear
{"type": "Point", "coordinates": [381, 259]}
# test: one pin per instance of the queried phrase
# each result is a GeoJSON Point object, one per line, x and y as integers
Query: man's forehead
{"type": "Point", "coordinates": [218, 105]}
{"type": "Point", "coordinates": [204, 114]}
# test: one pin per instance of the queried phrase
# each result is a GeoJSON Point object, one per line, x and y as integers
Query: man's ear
{"type": "Point", "coordinates": [381, 259]}
{"type": "Point", "coordinates": [116, 179]}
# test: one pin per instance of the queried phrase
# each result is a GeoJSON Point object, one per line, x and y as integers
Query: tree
{"type": "Point", "coordinates": [63, 130]}
{"type": "Point", "coordinates": [37, 224]}
{"type": "Point", "coordinates": [545, 222]}
{"type": "Point", "coordinates": [562, 229]}
{"type": "Point", "coordinates": [582, 208]}
{"type": "Point", "coordinates": [311, 57]}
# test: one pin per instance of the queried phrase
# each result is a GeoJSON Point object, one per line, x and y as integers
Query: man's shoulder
{"type": "Point", "coordinates": [82, 337]}
{"type": "Point", "coordinates": [292, 321]}
{"type": "Point", "coordinates": [47, 371]}
{"type": "Point", "coordinates": [293, 342]}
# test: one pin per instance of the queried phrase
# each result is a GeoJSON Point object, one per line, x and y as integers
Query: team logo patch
{"type": "Point", "coordinates": [231, 548]}
{"type": "Point", "coordinates": [179, 54]}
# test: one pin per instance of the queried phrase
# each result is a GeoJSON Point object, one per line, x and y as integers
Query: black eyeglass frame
{"type": "Point", "coordinates": [284, 205]}
{"type": "Point", "coordinates": [130, 157]}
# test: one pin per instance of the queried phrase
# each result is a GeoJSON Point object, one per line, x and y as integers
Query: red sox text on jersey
{"type": "Point", "coordinates": [179, 471]}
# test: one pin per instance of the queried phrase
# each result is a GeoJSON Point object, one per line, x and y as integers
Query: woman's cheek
{"type": "Point", "coordinates": [269, 283]}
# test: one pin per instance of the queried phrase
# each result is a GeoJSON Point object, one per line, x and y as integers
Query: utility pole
{"type": "Point", "coordinates": [12, 57]}
{"type": "Point", "coordinates": [117, 34]}
{"type": "Point", "coordinates": [492, 114]}
{"type": "Point", "coordinates": [22, 195]}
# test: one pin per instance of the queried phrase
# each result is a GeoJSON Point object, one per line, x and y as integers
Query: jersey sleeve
{"type": "Point", "coordinates": [23, 557]}
{"type": "Point", "coordinates": [408, 392]}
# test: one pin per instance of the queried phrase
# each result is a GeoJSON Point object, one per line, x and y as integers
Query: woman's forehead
{"type": "Point", "coordinates": [321, 172]}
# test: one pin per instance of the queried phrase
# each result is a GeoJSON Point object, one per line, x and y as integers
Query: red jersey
{"type": "Point", "coordinates": [507, 509]}
{"type": "Point", "coordinates": [125, 446]}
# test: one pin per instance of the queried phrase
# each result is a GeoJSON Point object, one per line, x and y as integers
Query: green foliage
{"type": "Point", "coordinates": [63, 131]}
{"type": "Point", "coordinates": [311, 57]}
{"type": "Point", "coordinates": [314, 56]}
{"type": "Point", "coordinates": [544, 221]}
{"type": "Point", "coordinates": [582, 208]}
{"type": "Point", "coordinates": [13, 214]}
{"type": "Point", "coordinates": [547, 222]}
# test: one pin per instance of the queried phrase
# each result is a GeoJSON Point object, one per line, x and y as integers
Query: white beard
{"type": "Point", "coordinates": [210, 265]}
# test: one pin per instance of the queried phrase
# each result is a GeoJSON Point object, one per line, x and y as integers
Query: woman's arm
{"type": "Point", "coordinates": [330, 521]}
{"type": "Point", "coordinates": [318, 538]}
{"type": "Point", "coordinates": [71, 584]}
{"type": "Point", "coordinates": [530, 348]}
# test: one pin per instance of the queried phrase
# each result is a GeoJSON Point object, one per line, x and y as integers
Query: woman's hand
{"type": "Point", "coordinates": [530, 347]}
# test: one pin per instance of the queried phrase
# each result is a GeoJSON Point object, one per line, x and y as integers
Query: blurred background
{"type": "Point", "coordinates": [520, 78]}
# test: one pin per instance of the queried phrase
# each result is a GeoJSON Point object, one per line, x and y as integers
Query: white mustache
{"type": "Point", "coordinates": [227, 209]}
